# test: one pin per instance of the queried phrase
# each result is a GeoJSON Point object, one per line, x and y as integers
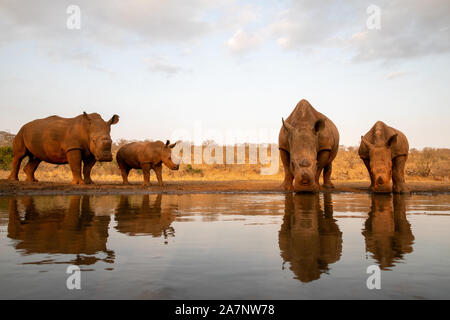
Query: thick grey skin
{"type": "Point", "coordinates": [320, 152]}
{"type": "Point", "coordinates": [379, 135]}
{"type": "Point", "coordinates": [85, 138]}
{"type": "Point", "coordinates": [146, 156]}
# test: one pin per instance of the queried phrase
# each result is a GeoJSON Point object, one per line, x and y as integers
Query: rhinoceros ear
{"type": "Point", "coordinates": [113, 120]}
{"type": "Point", "coordinates": [86, 115]}
{"type": "Point", "coordinates": [391, 140]}
{"type": "Point", "coordinates": [319, 125]}
{"type": "Point", "coordinates": [171, 146]}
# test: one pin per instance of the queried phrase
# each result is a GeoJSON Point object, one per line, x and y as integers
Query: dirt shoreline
{"type": "Point", "coordinates": [179, 187]}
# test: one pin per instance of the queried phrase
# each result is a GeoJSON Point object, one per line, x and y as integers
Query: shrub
{"type": "Point", "coordinates": [423, 163]}
{"type": "Point", "coordinates": [190, 170]}
{"type": "Point", "coordinates": [6, 156]}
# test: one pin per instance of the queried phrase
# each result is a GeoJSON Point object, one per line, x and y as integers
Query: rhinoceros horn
{"type": "Point", "coordinates": [286, 125]}
{"type": "Point", "coordinates": [366, 142]}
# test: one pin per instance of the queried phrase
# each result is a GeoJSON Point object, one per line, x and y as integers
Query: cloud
{"type": "Point", "coordinates": [186, 51]}
{"type": "Point", "coordinates": [235, 16]}
{"type": "Point", "coordinates": [243, 42]}
{"type": "Point", "coordinates": [83, 58]}
{"type": "Point", "coordinates": [398, 74]}
{"type": "Point", "coordinates": [111, 22]}
{"type": "Point", "coordinates": [247, 23]}
{"type": "Point", "coordinates": [305, 24]}
{"type": "Point", "coordinates": [409, 28]}
{"type": "Point", "coordinates": [104, 24]}
{"type": "Point", "coordinates": [160, 65]}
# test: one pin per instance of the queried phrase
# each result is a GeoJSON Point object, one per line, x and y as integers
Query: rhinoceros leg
{"type": "Point", "coordinates": [398, 175]}
{"type": "Point", "coordinates": [323, 163]}
{"type": "Point", "coordinates": [288, 176]}
{"type": "Point", "coordinates": [124, 170]}
{"type": "Point", "coordinates": [146, 171]}
{"type": "Point", "coordinates": [30, 168]}
{"type": "Point", "coordinates": [158, 171]}
{"type": "Point", "coordinates": [74, 159]}
{"type": "Point", "coordinates": [15, 166]}
{"type": "Point", "coordinates": [87, 167]}
{"type": "Point", "coordinates": [19, 152]}
{"type": "Point", "coordinates": [327, 176]}
{"type": "Point", "coordinates": [367, 163]}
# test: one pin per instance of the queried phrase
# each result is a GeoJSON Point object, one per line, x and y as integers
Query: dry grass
{"type": "Point", "coordinates": [425, 165]}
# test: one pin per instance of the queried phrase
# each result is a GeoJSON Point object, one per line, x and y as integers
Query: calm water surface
{"type": "Point", "coordinates": [225, 246]}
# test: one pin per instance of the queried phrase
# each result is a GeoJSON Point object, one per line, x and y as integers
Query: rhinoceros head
{"type": "Point", "coordinates": [303, 142]}
{"type": "Point", "coordinates": [99, 135]}
{"type": "Point", "coordinates": [166, 155]}
{"type": "Point", "coordinates": [380, 154]}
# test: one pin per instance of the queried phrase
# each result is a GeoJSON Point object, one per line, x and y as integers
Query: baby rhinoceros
{"type": "Point", "coordinates": [146, 156]}
{"type": "Point", "coordinates": [384, 151]}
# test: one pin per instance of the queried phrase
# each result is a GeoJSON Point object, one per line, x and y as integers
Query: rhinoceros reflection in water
{"type": "Point", "coordinates": [387, 231]}
{"type": "Point", "coordinates": [309, 238]}
{"type": "Point", "coordinates": [76, 231]}
{"type": "Point", "coordinates": [144, 219]}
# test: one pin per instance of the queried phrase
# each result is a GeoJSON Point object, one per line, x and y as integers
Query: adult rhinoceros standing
{"type": "Point", "coordinates": [308, 143]}
{"type": "Point", "coordinates": [63, 140]}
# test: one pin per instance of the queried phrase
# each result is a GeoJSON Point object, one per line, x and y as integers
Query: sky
{"type": "Point", "coordinates": [212, 69]}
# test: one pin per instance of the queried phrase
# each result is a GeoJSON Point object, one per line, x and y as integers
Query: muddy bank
{"type": "Point", "coordinates": [178, 187]}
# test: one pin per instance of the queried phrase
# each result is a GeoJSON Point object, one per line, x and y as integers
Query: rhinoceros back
{"type": "Point", "coordinates": [51, 138]}
{"type": "Point", "coordinates": [130, 154]}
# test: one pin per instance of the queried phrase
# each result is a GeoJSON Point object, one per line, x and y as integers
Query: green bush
{"type": "Point", "coordinates": [190, 170]}
{"type": "Point", "coordinates": [6, 156]}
